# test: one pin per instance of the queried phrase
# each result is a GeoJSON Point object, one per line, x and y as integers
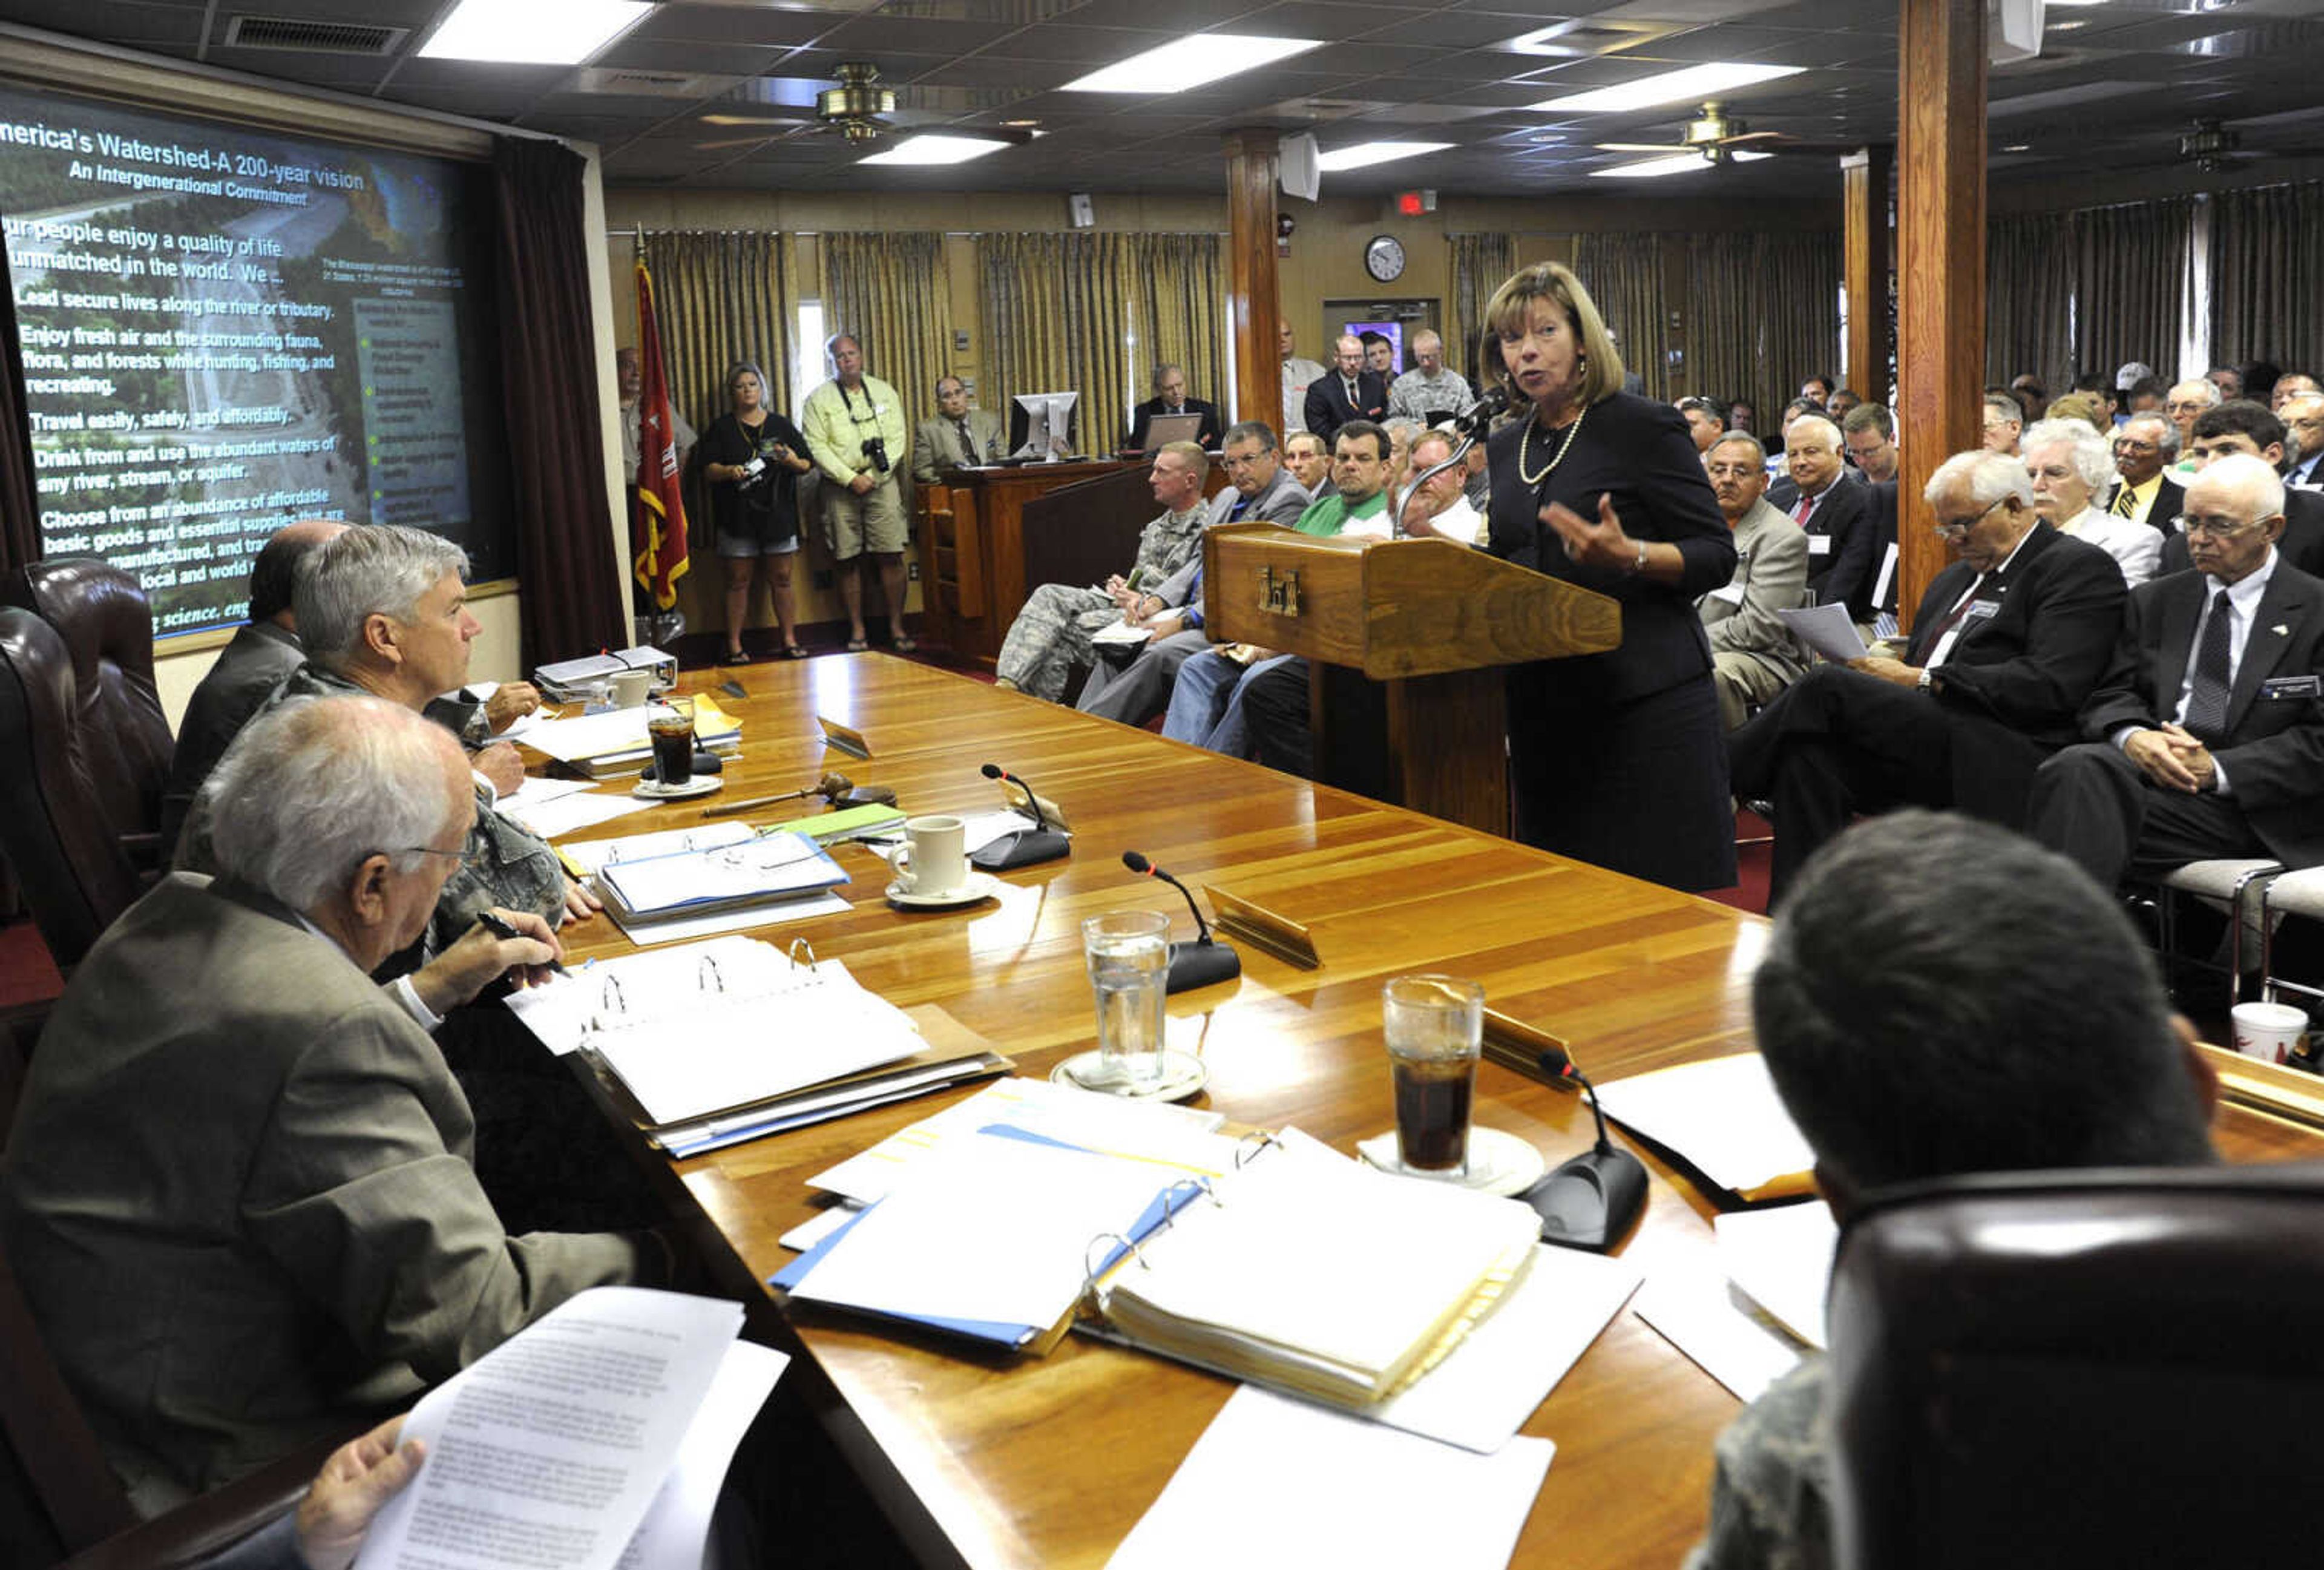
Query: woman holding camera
{"type": "Point", "coordinates": [753, 458]}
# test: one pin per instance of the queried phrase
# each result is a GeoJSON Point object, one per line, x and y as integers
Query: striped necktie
{"type": "Point", "coordinates": [2125, 505]}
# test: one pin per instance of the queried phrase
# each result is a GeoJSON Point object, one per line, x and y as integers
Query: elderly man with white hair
{"type": "Point", "coordinates": [2186, 402]}
{"type": "Point", "coordinates": [2008, 642]}
{"type": "Point", "coordinates": [2070, 465]}
{"type": "Point", "coordinates": [238, 1196]}
{"type": "Point", "coordinates": [2206, 736]}
{"type": "Point", "coordinates": [1823, 495]}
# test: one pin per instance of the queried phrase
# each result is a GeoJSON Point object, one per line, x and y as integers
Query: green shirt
{"type": "Point", "coordinates": [1332, 514]}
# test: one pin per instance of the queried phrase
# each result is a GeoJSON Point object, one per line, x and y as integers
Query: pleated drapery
{"type": "Point", "coordinates": [1481, 263]}
{"type": "Point", "coordinates": [2267, 276]}
{"type": "Point", "coordinates": [1624, 275]}
{"type": "Point", "coordinates": [2130, 283]}
{"type": "Point", "coordinates": [719, 297]}
{"type": "Point", "coordinates": [892, 294]}
{"type": "Point", "coordinates": [2029, 299]}
{"type": "Point", "coordinates": [1766, 315]}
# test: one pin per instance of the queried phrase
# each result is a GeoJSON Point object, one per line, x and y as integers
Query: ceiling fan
{"type": "Point", "coordinates": [855, 106]}
{"type": "Point", "coordinates": [1718, 137]}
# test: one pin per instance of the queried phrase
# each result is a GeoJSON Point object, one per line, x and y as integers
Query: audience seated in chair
{"type": "Point", "coordinates": [1753, 654]}
{"type": "Point", "coordinates": [2242, 426]}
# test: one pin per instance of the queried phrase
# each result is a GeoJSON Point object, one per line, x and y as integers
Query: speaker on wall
{"type": "Point", "coordinates": [2013, 30]}
{"type": "Point", "coordinates": [1300, 176]}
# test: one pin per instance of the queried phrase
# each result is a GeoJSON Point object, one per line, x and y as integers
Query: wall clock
{"type": "Point", "coordinates": [1384, 258]}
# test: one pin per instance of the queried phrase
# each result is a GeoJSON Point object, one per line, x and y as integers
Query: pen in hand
{"type": "Point", "coordinates": [499, 927]}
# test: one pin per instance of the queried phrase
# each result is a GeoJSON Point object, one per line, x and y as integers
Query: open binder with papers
{"type": "Point", "coordinates": [716, 872]}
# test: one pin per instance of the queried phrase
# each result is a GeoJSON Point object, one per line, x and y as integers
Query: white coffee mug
{"type": "Point", "coordinates": [933, 860]}
{"type": "Point", "coordinates": [630, 688]}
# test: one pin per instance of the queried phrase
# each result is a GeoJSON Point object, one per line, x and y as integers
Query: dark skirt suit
{"type": "Point", "coordinates": [1617, 759]}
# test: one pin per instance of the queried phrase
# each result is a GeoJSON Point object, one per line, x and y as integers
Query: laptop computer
{"type": "Point", "coordinates": [1164, 429]}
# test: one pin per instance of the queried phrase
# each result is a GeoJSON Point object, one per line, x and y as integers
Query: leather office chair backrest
{"type": "Point", "coordinates": [84, 747]}
{"type": "Point", "coordinates": [2081, 1368]}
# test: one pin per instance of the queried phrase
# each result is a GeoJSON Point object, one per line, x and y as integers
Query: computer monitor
{"type": "Point", "coordinates": [1041, 425]}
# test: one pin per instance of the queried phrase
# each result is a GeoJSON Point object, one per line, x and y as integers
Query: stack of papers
{"type": "Point", "coordinates": [759, 870]}
{"type": "Point", "coordinates": [615, 742]}
{"type": "Point", "coordinates": [553, 809]}
{"type": "Point", "coordinates": [568, 678]}
{"type": "Point", "coordinates": [1721, 1116]}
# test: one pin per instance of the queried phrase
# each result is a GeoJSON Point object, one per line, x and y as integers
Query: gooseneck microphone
{"type": "Point", "coordinates": [1472, 427]}
{"type": "Point", "coordinates": [1592, 1201]}
{"type": "Point", "coordinates": [1027, 847]}
{"type": "Point", "coordinates": [1202, 963]}
{"type": "Point", "coordinates": [1484, 411]}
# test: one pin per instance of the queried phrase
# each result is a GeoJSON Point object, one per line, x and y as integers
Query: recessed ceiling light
{"type": "Point", "coordinates": [1189, 62]}
{"type": "Point", "coordinates": [2019, 147]}
{"type": "Point", "coordinates": [532, 32]}
{"type": "Point", "coordinates": [1680, 163]}
{"type": "Point", "coordinates": [1367, 152]}
{"type": "Point", "coordinates": [936, 149]}
{"type": "Point", "coordinates": [1700, 81]}
{"type": "Point", "coordinates": [2065, 26]}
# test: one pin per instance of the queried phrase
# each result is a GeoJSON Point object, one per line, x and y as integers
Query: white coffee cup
{"type": "Point", "coordinates": [2268, 1032]}
{"type": "Point", "coordinates": [933, 860]}
{"type": "Point", "coordinates": [630, 688]}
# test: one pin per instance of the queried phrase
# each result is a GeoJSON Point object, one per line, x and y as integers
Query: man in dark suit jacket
{"type": "Point", "coordinates": [1817, 493]}
{"type": "Point", "coordinates": [2206, 736]}
{"type": "Point", "coordinates": [1346, 391]}
{"type": "Point", "coordinates": [2008, 642]}
{"type": "Point", "coordinates": [2143, 448]}
{"type": "Point", "coordinates": [1170, 398]}
{"type": "Point", "coordinates": [2245, 428]}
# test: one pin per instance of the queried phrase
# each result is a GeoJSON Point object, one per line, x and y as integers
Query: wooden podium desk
{"type": "Point", "coordinates": [988, 1461]}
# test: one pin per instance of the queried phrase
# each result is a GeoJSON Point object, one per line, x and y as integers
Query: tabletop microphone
{"type": "Point", "coordinates": [1592, 1201]}
{"type": "Point", "coordinates": [1027, 847]}
{"type": "Point", "coordinates": [1484, 411]}
{"type": "Point", "coordinates": [1202, 963]}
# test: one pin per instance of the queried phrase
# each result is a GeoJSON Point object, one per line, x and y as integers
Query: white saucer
{"type": "Point", "coordinates": [1498, 1162]}
{"type": "Point", "coordinates": [980, 886]}
{"type": "Point", "coordinates": [1182, 1074]}
{"type": "Point", "coordinates": [655, 790]}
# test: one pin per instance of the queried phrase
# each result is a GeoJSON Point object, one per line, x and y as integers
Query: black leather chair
{"type": "Point", "coordinates": [2081, 1368]}
{"type": "Point", "coordinates": [86, 747]}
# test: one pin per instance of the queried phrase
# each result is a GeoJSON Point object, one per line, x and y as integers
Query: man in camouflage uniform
{"type": "Point", "coordinates": [1051, 635]}
{"type": "Point", "coordinates": [1990, 1058]}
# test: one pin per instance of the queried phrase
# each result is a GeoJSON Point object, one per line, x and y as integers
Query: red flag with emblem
{"type": "Point", "coordinates": [656, 510]}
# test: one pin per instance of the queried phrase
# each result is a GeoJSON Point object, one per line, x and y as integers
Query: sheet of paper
{"type": "Point", "coordinates": [1698, 1312]}
{"type": "Point", "coordinates": [1181, 1136]}
{"type": "Point", "coordinates": [537, 790]}
{"type": "Point", "coordinates": [1722, 1114]}
{"type": "Point", "coordinates": [686, 928]}
{"type": "Point", "coordinates": [678, 1522]}
{"type": "Point", "coordinates": [1482, 1393]}
{"type": "Point", "coordinates": [1270, 1472]}
{"type": "Point", "coordinates": [759, 868]}
{"type": "Point", "coordinates": [821, 1226]}
{"type": "Point", "coordinates": [549, 1448]}
{"type": "Point", "coordinates": [558, 1010]}
{"type": "Point", "coordinates": [570, 814]}
{"type": "Point", "coordinates": [590, 855]}
{"type": "Point", "coordinates": [1826, 629]}
{"type": "Point", "coordinates": [1782, 1260]}
{"type": "Point", "coordinates": [979, 829]}
{"type": "Point", "coordinates": [1122, 634]}
{"type": "Point", "coordinates": [988, 1228]}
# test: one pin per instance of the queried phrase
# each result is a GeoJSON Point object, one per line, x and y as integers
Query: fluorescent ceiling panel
{"type": "Point", "coordinates": [925, 149]}
{"type": "Point", "coordinates": [533, 31]}
{"type": "Point", "coordinates": [1679, 163]}
{"type": "Point", "coordinates": [1189, 62]}
{"type": "Point", "coordinates": [1369, 153]}
{"type": "Point", "coordinates": [1702, 82]}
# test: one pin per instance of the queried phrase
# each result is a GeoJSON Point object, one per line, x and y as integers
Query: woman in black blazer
{"type": "Point", "coordinates": [1615, 758]}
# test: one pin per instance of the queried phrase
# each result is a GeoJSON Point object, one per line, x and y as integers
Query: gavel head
{"type": "Point", "coordinates": [832, 787]}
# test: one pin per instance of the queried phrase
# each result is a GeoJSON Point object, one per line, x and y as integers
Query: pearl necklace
{"type": "Point", "coordinates": [1524, 444]}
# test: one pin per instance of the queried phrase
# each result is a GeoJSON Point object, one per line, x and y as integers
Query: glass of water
{"type": "Point", "coordinates": [1129, 955]}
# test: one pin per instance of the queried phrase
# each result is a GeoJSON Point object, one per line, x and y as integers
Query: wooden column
{"type": "Point", "coordinates": [1940, 262]}
{"type": "Point", "coordinates": [1253, 170]}
{"type": "Point", "coordinates": [1864, 190]}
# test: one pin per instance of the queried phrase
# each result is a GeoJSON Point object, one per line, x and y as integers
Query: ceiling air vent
{"type": "Point", "coordinates": [645, 84]}
{"type": "Point", "coordinates": [312, 37]}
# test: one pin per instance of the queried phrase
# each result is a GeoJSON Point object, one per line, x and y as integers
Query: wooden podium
{"type": "Point", "coordinates": [1407, 638]}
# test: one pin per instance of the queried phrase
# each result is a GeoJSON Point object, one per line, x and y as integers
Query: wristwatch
{"type": "Point", "coordinates": [1928, 678]}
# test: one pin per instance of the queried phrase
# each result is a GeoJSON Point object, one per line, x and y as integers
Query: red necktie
{"type": "Point", "coordinates": [1807, 506]}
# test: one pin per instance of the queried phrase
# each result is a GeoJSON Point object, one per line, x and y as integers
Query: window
{"type": "Point", "coordinates": [807, 363]}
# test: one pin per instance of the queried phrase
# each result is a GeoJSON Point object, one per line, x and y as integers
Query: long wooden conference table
{"type": "Point", "coordinates": [988, 1461]}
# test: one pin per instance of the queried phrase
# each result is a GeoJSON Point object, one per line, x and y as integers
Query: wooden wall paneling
{"type": "Point", "coordinates": [1256, 361]}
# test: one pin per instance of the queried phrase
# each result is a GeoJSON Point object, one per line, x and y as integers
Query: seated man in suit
{"type": "Point", "coordinates": [1260, 490]}
{"type": "Point", "coordinates": [2005, 419]}
{"type": "Point", "coordinates": [2244, 425]}
{"type": "Point", "coordinates": [2004, 1016]}
{"type": "Point", "coordinates": [2146, 445]}
{"type": "Point", "coordinates": [1346, 391]}
{"type": "Point", "coordinates": [2303, 420]}
{"type": "Point", "coordinates": [1051, 635]}
{"type": "Point", "coordinates": [1170, 398]}
{"type": "Point", "coordinates": [2008, 642]}
{"type": "Point", "coordinates": [1753, 655]}
{"type": "Point", "coordinates": [238, 1196]}
{"type": "Point", "coordinates": [2206, 736]}
{"type": "Point", "coordinates": [265, 649]}
{"type": "Point", "coordinates": [2070, 465]}
{"type": "Point", "coordinates": [1869, 433]}
{"type": "Point", "coordinates": [1308, 457]}
{"type": "Point", "coordinates": [958, 438]}
{"type": "Point", "coordinates": [1819, 493]}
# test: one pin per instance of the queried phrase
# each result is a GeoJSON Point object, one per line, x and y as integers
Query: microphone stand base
{"type": "Point", "coordinates": [1202, 964]}
{"type": "Point", "coordinates": [1592, 1201]}
{"type": "Point", "coordinates": [1029, 849]}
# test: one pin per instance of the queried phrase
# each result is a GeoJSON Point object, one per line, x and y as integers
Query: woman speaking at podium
{"type": "Point", "coordinates": [1615, 759]}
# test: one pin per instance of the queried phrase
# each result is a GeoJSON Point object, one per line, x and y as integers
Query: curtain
{"type": "Point", "coordinates": [891, 292]}
{"type": "Point", "coordinates": [2267, 276]}
{"type": "Point", "coordinates": [1094, 313]}
{"type": "Point", "coordinates": [1624, 276]}
{"type": "Point", "coordinates": [573, 599]}
{"type": "Point", "coordinates": [20, 508]}
{"type": "Point", "coordinates": [1767, 315]}
{"type": "Point", "coordinates": [2029, 301]}
{"type": "Point", "coordinates": [2130, 283]}
{"type": "Point", "coordinates": [718, 298]}
{"type": "Point", "coordinates": [1481, 263]}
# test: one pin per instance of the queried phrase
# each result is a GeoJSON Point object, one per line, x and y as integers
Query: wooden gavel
{"type": "Point", "coordinates": [833, 788]}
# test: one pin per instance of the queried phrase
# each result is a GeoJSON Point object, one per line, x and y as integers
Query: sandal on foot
{"type": "Point", "coordinates": [735, 657]}
{"type": "Point", "coordinates": [793, 651]}
{"type": "Point", "coordinates": [904, 645]}
{"type": "Point", "coordinates": [856, 645]}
